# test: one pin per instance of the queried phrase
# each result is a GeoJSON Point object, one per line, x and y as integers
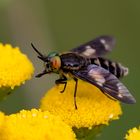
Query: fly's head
{"type": "Point", "coordinates": [52, 62]}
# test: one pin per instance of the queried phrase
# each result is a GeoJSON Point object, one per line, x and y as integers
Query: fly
{"type": "Point", "coordinates": [87, 63]}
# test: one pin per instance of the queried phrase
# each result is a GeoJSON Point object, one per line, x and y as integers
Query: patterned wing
{"type": "Point", "coordinates": [97, 47]}
{"type": "Point", "coordinates": [106, 82]}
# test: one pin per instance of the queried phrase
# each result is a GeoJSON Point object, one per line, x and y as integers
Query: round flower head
{"type": "Point", "coordinates": [94, 108]}
{"type": "Point", "coordinates": [1, 118]}
{"type": "Point", "coordinates": [15, 67]}
{"type": "Point", "coordinates": [35, 125]}
{"type": "Point", "coordinates": [133, 134]}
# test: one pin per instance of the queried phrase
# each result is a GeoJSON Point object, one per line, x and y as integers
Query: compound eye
{"type": "Point", "coordinates": [56, 62]}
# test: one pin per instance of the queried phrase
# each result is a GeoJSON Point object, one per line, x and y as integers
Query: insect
{"type": "Point", "coordinates": [87, 63]}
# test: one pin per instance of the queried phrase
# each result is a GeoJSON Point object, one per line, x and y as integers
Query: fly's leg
{"type": "Point", "coordinates": [75, 90]}
{"type": "Point", "coordinates": [62, 80]}
{"type": "Point", "coordinates": [41, 74]}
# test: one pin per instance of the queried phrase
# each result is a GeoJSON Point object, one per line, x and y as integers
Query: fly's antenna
{"type": "Point", "coordinates": [39, 53]}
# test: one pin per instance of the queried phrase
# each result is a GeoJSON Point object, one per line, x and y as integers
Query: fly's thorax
{"type": "Point", "coordinates": [72, 61]}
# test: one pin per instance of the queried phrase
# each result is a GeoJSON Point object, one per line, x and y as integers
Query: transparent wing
{"type": "Point", "coordinates": [106, 82]}
{"type": "Point", "coordinates": [97, 47]}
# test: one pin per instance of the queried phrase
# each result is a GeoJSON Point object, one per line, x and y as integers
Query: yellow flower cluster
{"type": "Point", "coordinates": [1, 118]}
{"type": "Point", "coordinates": [94, 108]}
{"type": "Point", "coordinates": [133, 134]}
{"type": "Point", "coordinates": [57, 116]}
{"type": "Point", "coordinates": [15, 67]}
{"type": "Point", "coordinates": [34, 125]}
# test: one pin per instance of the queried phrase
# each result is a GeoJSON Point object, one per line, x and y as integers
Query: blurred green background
{"type": "Point", "coordinates": [62, 25]}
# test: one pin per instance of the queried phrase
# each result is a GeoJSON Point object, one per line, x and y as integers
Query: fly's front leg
{"type": "Point", "coordinates": [62, 80]}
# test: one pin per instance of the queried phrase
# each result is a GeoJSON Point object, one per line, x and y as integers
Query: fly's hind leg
{"type": "Point", "coordinates": [62, 80]}
{"type": "Point", "coordinates": [75, 90]}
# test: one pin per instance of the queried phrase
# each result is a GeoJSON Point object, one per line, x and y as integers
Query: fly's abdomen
{"type": "Point", "coordinates": [115, 68]}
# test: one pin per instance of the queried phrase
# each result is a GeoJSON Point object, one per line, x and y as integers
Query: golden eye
{"type": "Point", "coordinates": [56, 62]}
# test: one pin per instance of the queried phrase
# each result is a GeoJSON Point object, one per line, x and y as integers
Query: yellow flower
{"type": "Point", "coordinates": [94, 108]}
{"type": "Point", "coordinates": [133, 134]}
{"type": "Point", "coordinates": [1, 118]}
{"type": "Point", "coordinates": [15, 67]}
{"type": "Point", "coordinates": [35, 125]}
